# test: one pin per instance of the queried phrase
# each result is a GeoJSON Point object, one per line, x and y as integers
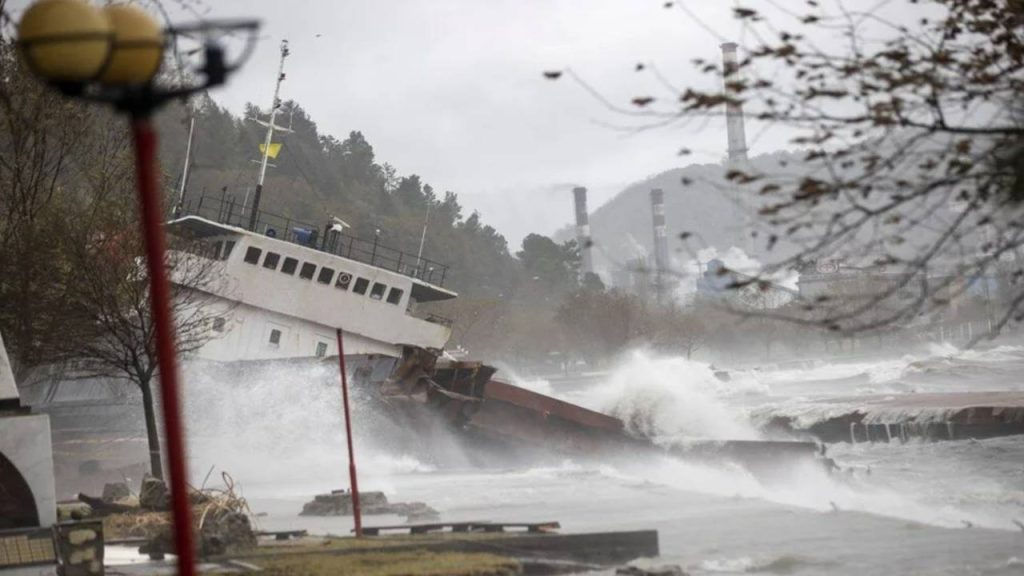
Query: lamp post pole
{"type": "Point", "coordinates": [151, 212]}
{"type": "Point", "coordinates": [111, 55]}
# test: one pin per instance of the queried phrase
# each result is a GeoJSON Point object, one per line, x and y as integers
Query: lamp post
{"type": "Point", "coordinates": [112, 55]}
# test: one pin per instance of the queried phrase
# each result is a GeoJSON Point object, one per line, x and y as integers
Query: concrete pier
{"type": "Point", "coordinates": [932, 416]}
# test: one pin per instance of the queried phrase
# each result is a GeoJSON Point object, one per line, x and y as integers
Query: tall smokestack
{"type": "Point", "coordinates": [660, 241]}
{"type": "Point", "coordinates": [583, 230]}
{"type": "Point", "coordinates": [733, 111]}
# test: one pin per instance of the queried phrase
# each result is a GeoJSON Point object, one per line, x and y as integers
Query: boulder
{"type": "Point", "coordinates": [339, 503]}
{"type": "Point", "coordinates": [226, 534]}
{"type": "Point", "coordinates": [153, 494]}
{"type": "Point", "coordinates": [222, 533]}
{"type": "Point", "coordinates": [114, 491]}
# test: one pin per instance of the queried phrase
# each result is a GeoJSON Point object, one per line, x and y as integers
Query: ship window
{"type": "Point", "coordinates": [361, 285]}
{"type": "Point", "coordinates": [275, 337]}
{"type": "Point", "coordinates": [377, 292]}
{"type": "Point", "coordinates": [395, 296]}
{"type": "Point", "coordinates": [326, 275]}
{"type": "Point", "coordinates": [215, 252]}
{"type": "Point", "coordinates": [307, 271]}
{"type": "Point", "coordinates": [344, 279]}
{"type": "Point", "coordinates": [271, 260]}
{"type": "Point", "coordinates": [321, 349]}
{"type": "Point", "coordinates": [228, 247]}
{"type": "Point", "coordinates": [252, 255]}
{"type": "Point", "coordinates": [289, 265]}
{"type": "Point", "coordinates": [218, 324]}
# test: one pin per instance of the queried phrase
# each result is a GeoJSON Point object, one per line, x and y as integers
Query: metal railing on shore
{"type": "Point", "coordinates": [227, 211]}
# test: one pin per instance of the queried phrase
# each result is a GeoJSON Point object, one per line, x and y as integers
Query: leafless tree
{"type": "Point", "coordinates": [907, 118]}
{"type": "Point", "coordinates": [112, 312]}
{"type": "Point", "coordinates": [39, 133]}
{"type": "Point", "coordinates": [674, 329]}
{"type": "Point", "coordinates": [73, 290]}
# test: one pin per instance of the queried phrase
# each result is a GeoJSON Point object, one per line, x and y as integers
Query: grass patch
{"type": "Point", "coordinates": [271, 548]}
{"type": "Point", "coordinates": [399, 563]}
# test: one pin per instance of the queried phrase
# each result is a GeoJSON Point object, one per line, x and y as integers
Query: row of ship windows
{"type": "Point", "coordinates": [326, 276]}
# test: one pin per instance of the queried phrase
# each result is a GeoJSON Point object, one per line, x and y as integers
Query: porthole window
{"type": "Point", "coordinates": [321, 349]}
{"type": "Point", "coordinates": [252, 255]}
{"type": "Point", "coordinates": [307, 271]}
{"type": "Point", "coordinates": [344, 279]}
{"type": "Point", "coordinates": [326, 275]}
{"type": "Point", "coordinates": [275, 337]}
{"type": "Point", "coordinates": [377, 293]}
{"type": "Point", "coordinates": [361, 285]}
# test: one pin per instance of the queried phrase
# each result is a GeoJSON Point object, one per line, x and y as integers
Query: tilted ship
{"type": "Point", "coordinates": [289, 286]}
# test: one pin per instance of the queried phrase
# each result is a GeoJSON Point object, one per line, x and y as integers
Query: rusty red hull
{"type": "Point", "coordinates": [511, 413]}
{"type": "Point", "coordinates": [468, 398]}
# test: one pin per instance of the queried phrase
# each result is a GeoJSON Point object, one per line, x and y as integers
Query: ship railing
{"type": "Point", "coordinates": [227, 210]}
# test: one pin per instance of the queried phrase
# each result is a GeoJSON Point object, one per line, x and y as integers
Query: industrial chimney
{"type": "Point", "coordinates": [733, 111]}
{"type": "Point", "coordinates": [583, 231]}
{"type": "Point", "coordinates": [660, 241]}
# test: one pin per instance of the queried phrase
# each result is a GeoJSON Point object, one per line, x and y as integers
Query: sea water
{"type": "Point", "coordinates": [894, 508]}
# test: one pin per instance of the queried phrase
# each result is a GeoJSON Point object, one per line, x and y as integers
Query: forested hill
{"type": "Point", "coordinates": [318, 175]}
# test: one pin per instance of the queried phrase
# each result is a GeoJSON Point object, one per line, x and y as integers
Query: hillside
{"type": "Point", "coordinates": [708, 208]}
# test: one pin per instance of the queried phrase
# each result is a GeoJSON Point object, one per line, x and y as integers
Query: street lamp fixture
{"type": "Point", "coordinates": [112, 55]}
{"type": "Point", "coordinates": [136, 48]}
{"type": "Point", "coordinates": [65, 42]}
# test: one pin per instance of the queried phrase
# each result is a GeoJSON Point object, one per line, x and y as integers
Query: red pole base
{"type": "Point", "coordinates": [356, 512]}
{"type": "Point", "coordinates": [152, 220]}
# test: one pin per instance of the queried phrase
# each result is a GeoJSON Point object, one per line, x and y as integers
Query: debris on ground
{"type": "Point", "coordinates": [339, 503]}
{"type": "Point", "coordinates": [221, 518]}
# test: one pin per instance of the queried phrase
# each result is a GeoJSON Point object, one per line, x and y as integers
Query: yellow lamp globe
{"type": "Point", "coordinates": [64, 41]}
{"type": "Point", "coordinates": [137, 49]}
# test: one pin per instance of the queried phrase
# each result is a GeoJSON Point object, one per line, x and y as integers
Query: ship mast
{"type": "Point", "coordinates": [271, 127]}
{"type": "Point", "coordinates": [188, 161]}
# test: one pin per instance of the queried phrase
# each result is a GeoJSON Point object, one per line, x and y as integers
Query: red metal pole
{"type": "Point", "coordinates": [151, 211]}
{"type": "Point", "coordinates": [348, 436]}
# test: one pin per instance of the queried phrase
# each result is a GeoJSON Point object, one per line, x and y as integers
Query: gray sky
{"type": "Point", "coordinates": [452, 90]}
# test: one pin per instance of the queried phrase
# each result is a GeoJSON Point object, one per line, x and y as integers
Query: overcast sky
{"type": "Point", "coordinates": [452, 90]}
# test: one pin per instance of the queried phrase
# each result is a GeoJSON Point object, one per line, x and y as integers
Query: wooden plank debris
{"type": "Point", "coordinates": [474, 526]}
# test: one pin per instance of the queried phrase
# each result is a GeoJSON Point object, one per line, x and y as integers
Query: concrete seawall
{"type": "Point", "coordinates": [934, 416]}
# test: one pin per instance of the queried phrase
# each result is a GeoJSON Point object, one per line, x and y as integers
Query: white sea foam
{"type": "Point", "coordinates": [672, 398]}
{"type": "Point", "coordinates": [283, 424]}
{"type": "Point", "coordinates": [282, 427]}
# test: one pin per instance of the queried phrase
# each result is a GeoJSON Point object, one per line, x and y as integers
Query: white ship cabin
{"type": "Point", "coordinates": [285, 290]}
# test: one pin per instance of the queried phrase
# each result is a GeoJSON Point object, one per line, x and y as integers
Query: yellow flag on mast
{"type": "Point", "coordinates": [275, 147]}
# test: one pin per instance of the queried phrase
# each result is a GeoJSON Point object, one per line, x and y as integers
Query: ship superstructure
{"type": "Point", "coordinates": [286, 287]}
